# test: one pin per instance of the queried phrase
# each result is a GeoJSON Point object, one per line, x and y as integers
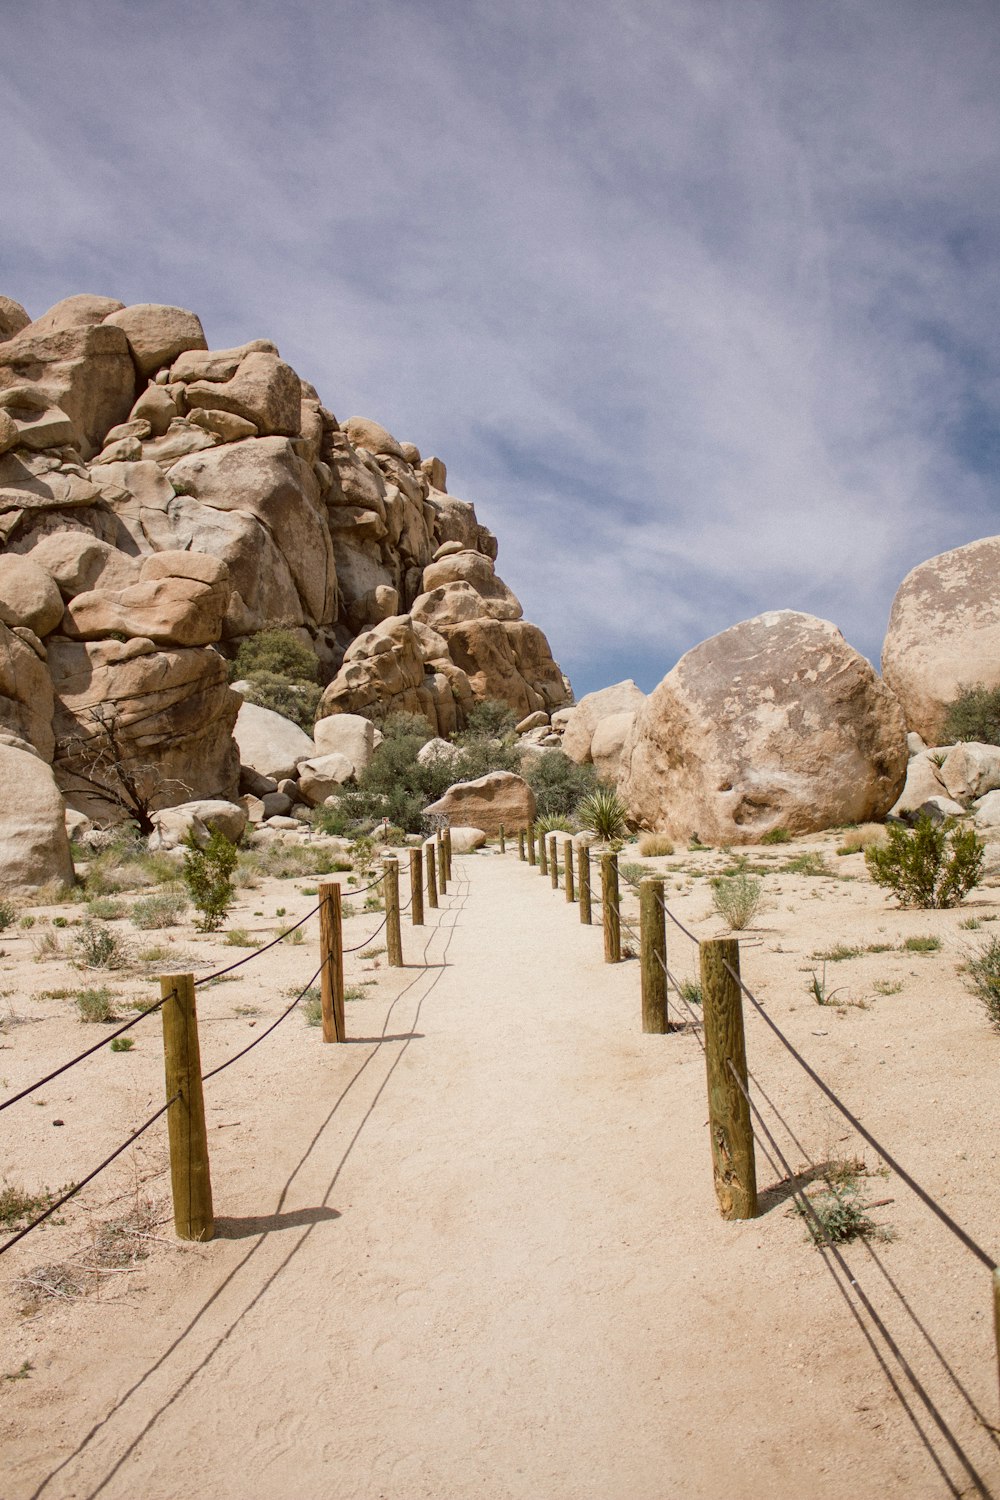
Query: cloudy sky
{"type": "Point", "coordinates": [698, 299]}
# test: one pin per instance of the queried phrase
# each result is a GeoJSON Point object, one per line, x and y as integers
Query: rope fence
{"type": "Point", "coordinates": [189, 1164]}
{"type": "Point", "coordinates": [738, 1126]}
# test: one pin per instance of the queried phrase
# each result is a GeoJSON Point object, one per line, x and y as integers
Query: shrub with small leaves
{"type": "Point", "coordinates": [121, 1044]}
{"type": "Point", "coordinates": [96, 1005]}
{"type": "Point", "coordinates": [982, 977]}
{"type": "Point", "coordinates": [8, 915]}
{"type": "Point", "coordinates": [974, 715]}
{"type": "Point", "coordinates": [98, 947]}
{"type": "Point", "coordinates": [208, 875]}
{"type": "Point", "coordinates": [162, 910]}
{"type": "Point", "coordinates": [931, 866]}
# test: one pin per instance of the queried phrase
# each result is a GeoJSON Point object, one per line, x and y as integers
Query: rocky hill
{"type": "Point", "coordinates": [160, 502]}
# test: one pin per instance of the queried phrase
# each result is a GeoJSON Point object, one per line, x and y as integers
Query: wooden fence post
{"type": "Point", "coordinates": [503, 841]}
{"type": "Point", "coordinates": [432, 884]}
{"type": "Point", "coordinates": [190, 1178]}
{"type": "Point", "coordinates": [996, 1309]}
{"type": "Point", "coordinates": [442, 860]}
{"type": "Point", "coordinates": [543, 856]}
{"type": "Point", "coordinates": [568, 865]}
{"type": "Point", "coordinates": [531, 843]}
{"type": "Point", "coordinates": [520, 844]}
{"type": "Point", "coordinates": [417, 887]}
{"type": "Point", "coordinates": [393, 932]}
{"type": "Point", "coordinates": [611, 913]}
{"type": "Point", "coordinates": [331, 947]}
{"type": "Point", "coordinates": [729, 1113]}
{"type": "Point", "coordinates": [554, 862]}
{"type": "Point", "coordinates": [584, 864]}
{"type": "Point", "coordinates": [447, 851]}
{"type": "Point", "coordinates": [653, 942]}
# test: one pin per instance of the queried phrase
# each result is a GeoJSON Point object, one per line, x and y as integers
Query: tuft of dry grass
{"type": "Point", "coordinates": [654, 845]}
{"type": "Point", "coordinates": [865, 836]}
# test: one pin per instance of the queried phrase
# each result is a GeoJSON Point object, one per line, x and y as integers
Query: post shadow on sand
{"type": "Point", "coordinates": [245, 1228]}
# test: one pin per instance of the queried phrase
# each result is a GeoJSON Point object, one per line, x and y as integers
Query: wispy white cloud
{"type": "Point", "coordinates": [696, 299]}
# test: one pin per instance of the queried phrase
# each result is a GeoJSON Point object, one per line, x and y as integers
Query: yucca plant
{"type": "Point", "coordinates": [605, 813]}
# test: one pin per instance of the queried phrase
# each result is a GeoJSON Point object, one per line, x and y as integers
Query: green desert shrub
{"type": "Point", "coordinates": [554, 823]}
{"type": "Point", "coordinates": [737, 898]}
{"type": "Point", "coordinates": [96, 1005]}
{"type": "Point", "coordinates": [974, 715]}
{"type": "Point", "coordinates": [777, 836]}
{"type": "Point", "coordinates": [164, 909]}
{"type": "Point", "coordinates": [490, 720]}
{"type": "Point", "coordinates": [982, 977]}
{"type": "Point", "coordinates": [8, 915]}
{"type": "Point", "coordinates": [281, 672]}
{"type": "Point", "coordinates": [559, 784]}
{"type": "Point", "coordinates": [931, 865]}
{"type": "Point", "coordinates": [98, 947]}
{"type": "Point", "coordinates": [208, 875]}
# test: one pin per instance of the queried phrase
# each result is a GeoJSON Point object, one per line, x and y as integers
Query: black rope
{"type": "Point", "coordinates": [358, 946]}
{"type": "Point", "coordinates": [676, 920]}
{"type": "Point", "coordinates": [89, 1178]}
{"type": "Point", "coordinates": [257, 951]}
{"type": "Point", "coordinates": [828, 1245]}
{"type": "Point", "coordinates": [258, 1039]}
{"type": "Point", "coordinates": [109, 1036]}
{"type": "Point", "coordinates": [876, 1145]}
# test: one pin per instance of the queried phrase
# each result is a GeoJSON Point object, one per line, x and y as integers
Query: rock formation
{"type": "Point", "coordinates": [777, 722]}
{"type": "Point", "coordinates": [160, 501]}
{"type": "Point", "coordinates": [944, 633]}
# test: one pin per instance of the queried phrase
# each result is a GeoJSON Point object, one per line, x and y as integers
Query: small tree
{"type": "Point", "coordinates": [208, 875]}
{"type": "Point", "coordinates": [100, 764]}
{"type": "Point", "coordinates": [932, 865]}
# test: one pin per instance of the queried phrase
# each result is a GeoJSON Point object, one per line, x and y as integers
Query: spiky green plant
{"type": "Point", "coordinates": [605, 813]}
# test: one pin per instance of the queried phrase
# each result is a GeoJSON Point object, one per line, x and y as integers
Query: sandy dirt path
{"type": "Point", "coordinates": [476, 1254]}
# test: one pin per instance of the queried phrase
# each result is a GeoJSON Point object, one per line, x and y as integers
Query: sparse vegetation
{"type": "Point", "coordinates": [17, 1205]}
{"type": "Point", "coordinates": [98, 947]}
{"type": "Point", "coordinates": [863, 837]}
{"type": "Point", "coordinates": [777, 836]}
{"type": "Point", "coordinates": [839, 1214]}
{"type": "Point", "coordinates": [982, 977]}
{"type": "Point", "coordinates": [97, 1006]}
{"type": "Point", "coordinates": [8, 915]}
{"type": "Point", "coordinates": [925, 944]}
{"type": "Point", "coordinates": [737, 898]}
{"type": "Point", "coordinates": [164, 909]}
{"type": "Point", "coordinates": [809, 862]}
{"type": "Point", "coordinates": [887, 986]}
{"type": "Point", "coordinates": [932, 866]}
{"type": "Point", "coordinates": [282, 675]}
{"type": "Point", "coordinates": [974, 715]}
{"type": "Point", "coordinates": [121, 1044]}
{"type": "Point", "coordinates": [106, 908]}
{"type": "Point", "coordinates": [238, 937]}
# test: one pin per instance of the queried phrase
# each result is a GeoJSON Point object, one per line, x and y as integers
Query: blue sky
{"type": "Point", "coordinates": [698, 299]}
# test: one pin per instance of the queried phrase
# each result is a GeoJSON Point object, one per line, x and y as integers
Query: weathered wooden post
{"type": "Point", "coordinates": [554, 863]}
{"type": "Point", "coordinates": [447, 851]}
{"type": "Point", "coordinates": [729, 1112]}
{"type": "Point", "coordinates": [531, 843]}
{"type": "Point", "coordinates": [190, 1178]}
{"type": "Point", "coordinates": [584, 864]}
{"type": "Point", "coordinates": [417, 887]}
{"type": "Point", "coordinates": [442, 859]}
{"type": "Point", "coordinates": [432, 885]}
{"type": "Point", "coordinates": [543, 856]}
{"type": "Point", "coordinates": [520, 844]}
{"type": "Point", "coordinates": [393, 931]}
{"type": "Point", "coordinates": [653, 943]}
{"type": "Point", "coordinates": [331, 947]}
{"type": "Point", "coordinates": [612, 914]}
{"type": "Point", "coordinates": [568, 866]}
{"type": "Point", "coordinates": [996, 1310]}
{"type": "Point", "coordinates": [503, 841]}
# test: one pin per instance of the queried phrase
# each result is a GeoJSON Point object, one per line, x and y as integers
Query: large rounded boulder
{"type": "Point", "coordinates": [944, 633]}
{"type": "Point", "coordinates": [775, 723]}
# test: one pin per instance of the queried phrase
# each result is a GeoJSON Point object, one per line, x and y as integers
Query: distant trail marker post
{"type": "Point", "coordinates": [520, 843]}
{"type": "Point", "coordinates": [531, 843]}
{"type": "Point", "coordinates": [543, 856]}
{"type": "Point", "coordinates": [190, 1178]}
{"type": "Point", "coordinates": [331, 945]}
{"type": "Point", "coordinates": [554, 862]}
{"type": "Point", "coordinates": [447, 851]}
{"type": "Point", "coordinates": [503, 841]}
{"type": "Point", "coordinates": [442, 862]}
{"type": "Point", "coordinates": [568, 863]}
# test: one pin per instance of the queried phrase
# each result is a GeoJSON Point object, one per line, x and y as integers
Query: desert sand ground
{"type": "Point", "coordinates": [476, 1251]}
